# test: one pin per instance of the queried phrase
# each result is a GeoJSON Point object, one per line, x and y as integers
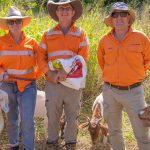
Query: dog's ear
{"type": "Point", "coordinates": [83, 125]}
{"type": "Point", "coordinates": [145, 113]}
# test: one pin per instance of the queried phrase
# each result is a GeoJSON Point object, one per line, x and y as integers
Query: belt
{"type": "Point", "coordinates": [21, 78]}
{"type": "Point", "coordinates": [124, 87]}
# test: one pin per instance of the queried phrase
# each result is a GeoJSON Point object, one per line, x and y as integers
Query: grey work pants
{"type": "Point", "coordinates": [133, 101]}
{"type": "Point", "coordinates": [59, 97]}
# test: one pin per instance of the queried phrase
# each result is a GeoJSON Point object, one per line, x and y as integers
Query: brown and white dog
{"type": "Point", "coordinates": [97, 129]}
{"type": "Point", "coordinates": [144, 115]}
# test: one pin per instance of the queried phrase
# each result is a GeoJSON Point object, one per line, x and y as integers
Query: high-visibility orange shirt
{"type": "Point", "coordinates": [18, 59]}
{"type": "Point", "coordinates": [124, 63]}
{"type": "Point", "coordinates": [56, 45]}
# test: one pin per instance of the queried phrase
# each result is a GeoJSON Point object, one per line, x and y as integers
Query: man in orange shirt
{"type": "Point", "coordinates": [18, 59]}
{"type": "Point", "coordinates": [62, 41]}
{"type": "Point", "coordinates": [124, 57]}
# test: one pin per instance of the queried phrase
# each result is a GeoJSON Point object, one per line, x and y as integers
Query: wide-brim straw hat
{"type": "Point", "coordinates": [76, 4]}
{"type": "Point", "coordinates": [13, 14]}
{"type": "Point", "coordinates": [119, 6]}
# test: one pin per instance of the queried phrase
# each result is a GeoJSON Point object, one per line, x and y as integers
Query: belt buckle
{"type": "Point", "coordinates": [118, 87]}
{"type": "Point", "coordinates": [110, 85]}
{"type": "Point", "coordinates": [129, 88]}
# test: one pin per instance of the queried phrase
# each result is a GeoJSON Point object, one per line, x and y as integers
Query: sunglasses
{"type": "Point", "coordinates": [121, 14]}
{"type": "Point", "coordinates": [64, 9]}
{"type": "Point", "coordinates": [12, 22]}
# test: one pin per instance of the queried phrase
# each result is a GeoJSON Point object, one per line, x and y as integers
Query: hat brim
{"type": "Point", "coordinates": [108, 19]}
{"type": "Point", "coordinates": [76, 4]}
{"type": "Point", "coordinates": [3, 21]}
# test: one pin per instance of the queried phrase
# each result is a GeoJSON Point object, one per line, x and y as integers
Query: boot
{"type": "Point", "coordinates": [14, 148]}
{"type": "Point", "coordinates": [70, 146]}
{"type": "Point", "coordinates": [52, 146]}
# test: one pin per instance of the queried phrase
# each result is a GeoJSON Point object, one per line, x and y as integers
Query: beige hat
{"type": "Point", "coordinates": [76, 4]}
{"type": "Point", "coordinates": [119, 6]}
{"type": "Point", "coordinates": [14, 13]}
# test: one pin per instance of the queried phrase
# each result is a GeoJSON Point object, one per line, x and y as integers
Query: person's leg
{"type": "Point", "coordinates": [72, 105]}
{"type": "Point", "coordinates": [11, 89]}
{"type": "Point", "coordinates": [54, 107]}
{"type": "Point", "coordinates": [113, 116]}
{"type": "Point", "coordinates": [27, 101]}
{"type": "Point", "coordinates": [134, 102]}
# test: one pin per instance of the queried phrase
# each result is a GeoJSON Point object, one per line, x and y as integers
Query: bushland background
{"type": "Point", "coordinates": [92, 22]}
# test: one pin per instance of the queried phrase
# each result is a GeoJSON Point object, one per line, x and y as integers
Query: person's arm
{"type": "Point", "coordinates": [43, 61]}
{"type": "Point", "coordinates": [146, 52]}
{"type": "Point", "coordinates": [84, 46]}
{"type": "Point", "coordinates": [100, 55]}
{"type": "Point", "coordinates": [3, 73]}
{"type": "Point", "coordinates": [43, 56]}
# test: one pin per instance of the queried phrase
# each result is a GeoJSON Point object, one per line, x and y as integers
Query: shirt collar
{"type": "Point", "coordinates": [22, 38]}
{"type": "Point", "coordinates": [111, 33]}
{"type": "Point", "coordinates": [72, 27]}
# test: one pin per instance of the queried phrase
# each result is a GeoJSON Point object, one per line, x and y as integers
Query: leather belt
{"type": "Point", "coordinates": [124, 87]}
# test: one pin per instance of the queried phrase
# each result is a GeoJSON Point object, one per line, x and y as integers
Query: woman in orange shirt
{"type": "Point", "coordinates": [17, 75]}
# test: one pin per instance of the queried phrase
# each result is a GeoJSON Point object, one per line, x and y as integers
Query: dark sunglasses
{"type": "Point", "coordinates": [121, 14]}
{"type": "Point", "coordinates": [12, 22]}
{"type": "Point", "coordinates": [64, 9]}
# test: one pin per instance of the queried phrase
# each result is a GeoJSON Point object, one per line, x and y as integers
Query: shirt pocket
{"type": "Point", "coordinates": [134, 52]}
{"type": "Point", "coordinates": [110, 56]}
{"type": "Point", "coordinates": [135, 48]}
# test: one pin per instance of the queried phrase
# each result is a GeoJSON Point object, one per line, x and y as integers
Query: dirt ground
{"type": "Point", "coordinates": [84, 142]}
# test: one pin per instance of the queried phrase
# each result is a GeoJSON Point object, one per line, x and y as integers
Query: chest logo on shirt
{"type": "Point", "coordinates": [109, 48]}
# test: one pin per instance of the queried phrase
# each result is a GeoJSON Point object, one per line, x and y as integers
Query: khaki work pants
{"type": "Point", "coordinates": [132, 101]}
{"type": "Point", "coordinates": [59, 97]}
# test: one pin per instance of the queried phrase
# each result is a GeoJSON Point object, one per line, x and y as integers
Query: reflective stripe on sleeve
{"type": "Point", "coordinates": [84, 43]}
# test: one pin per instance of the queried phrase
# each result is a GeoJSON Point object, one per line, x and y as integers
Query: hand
{"type": "Point", "coordinates": [62, 75]}
{"type": "Point", "coordinates": [52, 75]}
{"type": "Point", "coordinates": [4, 76]}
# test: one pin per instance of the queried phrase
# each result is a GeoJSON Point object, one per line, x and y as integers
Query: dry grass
{"type": "Point", "coordinates": [84, 142]}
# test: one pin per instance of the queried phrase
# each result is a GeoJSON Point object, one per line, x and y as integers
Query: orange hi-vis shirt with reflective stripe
{"type": "Point", "coordinates": [56, 45]}
{"type": "Point", "coordinates": [124, 63]}
{"type": "Point", "coordinates": [18, 59]}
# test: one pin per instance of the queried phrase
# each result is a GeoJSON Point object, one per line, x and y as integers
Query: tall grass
{"type": "Point", "coordinates": [92, 23]}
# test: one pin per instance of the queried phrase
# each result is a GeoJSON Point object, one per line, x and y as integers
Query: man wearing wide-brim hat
{"type": "Point", "coordinates": [65, 40]}
{"type": "Point", "coordinates": [18, 61]}
{"type": "Point", "coordinates": [14, 14]}
{"type": "Point", "coordinates": [124, 57]}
